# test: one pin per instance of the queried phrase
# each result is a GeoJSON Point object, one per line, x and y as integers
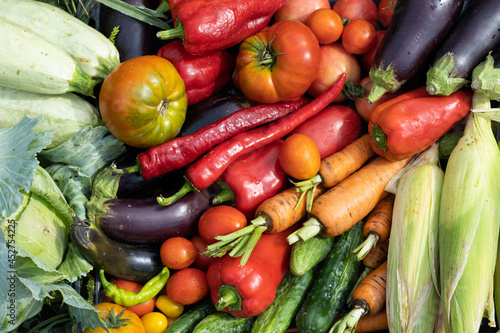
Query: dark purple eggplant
{"type": "Point", "coordinates": [416, 30]}
{"type": "Point", "coordinates": [469, 42]}
{"type": "Point", "coordinates": [132, 262]}
{"type": "Point", "coordinates": [210, 110]}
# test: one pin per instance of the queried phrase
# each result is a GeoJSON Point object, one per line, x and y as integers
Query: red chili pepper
{"type": "Point", "coordinates": [253, 178]}
{"type": "Point", "coordinates": [412, 122]}
{"type": "Point", "coordinates": [181, 151]}
{"type": "Point", "coordinates": [202, 75]}
{"type": "Point", "coordinates": [208, 26]}
{"type": "Point", "coordinates": [246, 291]}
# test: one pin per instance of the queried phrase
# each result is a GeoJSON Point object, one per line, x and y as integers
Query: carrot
{"type": "Point", "coordinates": [377, 226]}
{"type": "Point", "coordinates": [373, 323]}
{"type": "Point", "coordinates": [347, 203]}
{"type": "Point", "coordinates": [377, 255]}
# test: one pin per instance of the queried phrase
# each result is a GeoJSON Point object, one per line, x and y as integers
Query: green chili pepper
{"type": "Point", "coordinates": [129, 298]}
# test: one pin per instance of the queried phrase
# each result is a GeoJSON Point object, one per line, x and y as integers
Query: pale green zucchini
{"type": "Point", "coordinates": [91, 50]}
{"type": "Point", "coordinates": [29, 62]}
{"type": "Point", "coordinates": [66, 113]}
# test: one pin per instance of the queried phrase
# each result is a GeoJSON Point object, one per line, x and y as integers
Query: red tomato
{"type": "Point", "coordinates": [335, 60]}
{"type": "Point", "coordinates": [178, 252]}
{"type": "Point", "coordinates": [355, 9]}
{"type": "Point", "coordinates": [133, 324]}
{"type": "Point", "coordinates": [326, 24]}
{"type": "Point", "coordinates": [299, 157]}
{"type": "Point", "coordinates": [139, 309]}
{"type": "Point", "coordinates": [332, 129]}
{"type": "Point", "coordinates": [279, 63]}
{"type": "Point", "coordinates": [187, 286]}
{"type": "Point", "coordinates": [385, 10]}
{"type": "Point", "coordinates": [367, 58]}
{"type": "Point", "coordinates": [299, 10]}
{"type": "Point", "coordinates": [202, 261]}
{"type": "Point", "coordinates": [359, 36]}
{"type": "Point", "coordinates": [218, 221]}
{"type": "Point", "coordinates": [363, 107]}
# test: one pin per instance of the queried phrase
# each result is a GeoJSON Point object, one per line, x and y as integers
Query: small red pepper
{"type": "Point", "coordinates": [253, 178]}
{"type": "Point", "coordinates": [208, 26]}
{"type": "Point", "coordinates": [202, 75]}
{"type": "Point", "coordinates": [246, 291]}
{"type": "Point", "coordinates": [412, 122]}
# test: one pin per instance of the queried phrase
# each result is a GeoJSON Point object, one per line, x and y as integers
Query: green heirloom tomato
{"type": "Point", "coordinates": [143, 101]}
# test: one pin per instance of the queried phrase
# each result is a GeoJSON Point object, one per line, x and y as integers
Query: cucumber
{"type": "Point", "coordinates": [29, 62]}
{"type": "Point", "coordinates": [289, 295]}
{"type": "Point", "coordinates": [92, 51]}
{"type": "Point", "coordinates": [224, 322]}
{"type": "Point", "coordinates": [332, 285]}
{"type": "Point", "coordinates": [306, 255]}
{"type": "Point", "coordinates": [188, 320]}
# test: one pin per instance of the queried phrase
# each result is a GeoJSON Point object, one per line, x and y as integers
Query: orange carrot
{"type": "Point", "coordinates": [377, 226]}
{"type": "Point", "coordinates": [347, 203]}
{"type": "Point", "coordinates": [377, 255]}
{"type": "Point", "coordinates": [373, 323]}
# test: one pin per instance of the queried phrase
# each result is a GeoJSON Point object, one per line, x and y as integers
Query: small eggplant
{"type": "Point", "coordinates": [133, 262]}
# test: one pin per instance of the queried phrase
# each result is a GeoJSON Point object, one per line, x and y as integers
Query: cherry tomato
{"type": "Point", "coordinates": [218, 221]}
{"type": "Point", "coordinates": [187, 286]}
{"type": "Point", "coordinates": [355, 9]}
{"type": "Point", "coordinates": [299, 10]}
{"type": "Point", "coordinates": [132, 325]}
{"type": "Point", "coordinates": [139, 309]}
{"type": "Point", "coordinates": [335, 60]}
{"type": "Point", "coordinates": [178, 252]}
{"type": "Point", "coordinates": [359, 36]}
{"type": "Point", "coordinates": [202, 261]}
{"type": "Point", "coordinates": [168, 307]}
{"type": "Point", "coordinates": [154, 322]}
{"type": "Point", "coordinates": [364, 108]}
{"type": "Point", "coordinates": [143, 101]}
{"type": "Point", "coordinates": [367, 58]}
{"type": "Point", "coordinates": [385, 11]}
{"type": "Point", "coordinates": [299, 157]}
{"type": "Point", "coordinates": [326, 25]}
{"type": "Point", "coordinates": [278, 63]}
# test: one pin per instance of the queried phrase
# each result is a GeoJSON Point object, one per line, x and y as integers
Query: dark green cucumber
{"type": "Point", "coordinates": [332, 285]}
{"type": "Point", "coordinates": [289, 295]}
{"type": "Point", "coordinates": [224, 322]}
{"type": "Point", "coordinates": [306, 255]}
{"type": "Point", "coordinates": [187, 322]}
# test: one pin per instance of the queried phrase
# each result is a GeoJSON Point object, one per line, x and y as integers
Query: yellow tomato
{"type": "Point", "coordinates": [169, 308]}
{"type": "Point", "coordinates": [154, 322]}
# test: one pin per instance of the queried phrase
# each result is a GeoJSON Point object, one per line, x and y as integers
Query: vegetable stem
{"type": "Point", "coordinates": [185, 189]}
{"type": "Point", "coordinates": [249, 246]}
{"type": "Point", "coordinates": [309, 229]}
{"type": "Point", "coordinates": [229, 297]}
{"type": "Point", "coordinates": [176, 32]}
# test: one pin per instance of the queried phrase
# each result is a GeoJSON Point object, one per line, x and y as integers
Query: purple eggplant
{"type": "Point", "coordinates": [416, 30]}
{"type": "Point", "coordinates": [473, 37]}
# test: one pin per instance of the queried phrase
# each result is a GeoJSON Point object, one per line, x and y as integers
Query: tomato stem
{"type": "Point", "coordinates": [267, 57]}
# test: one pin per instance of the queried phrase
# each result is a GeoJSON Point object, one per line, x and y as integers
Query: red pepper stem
{"type": "Point", "coordinates": [254, 238]}
{"type": "Point", "coordinates": [163, 7]}
{"type": "Point", "coordinates": [175, 32]}
{"type": "Point", "coordinates": [229, 297]}
{"type": "Point", "coordinates": [379, 137]}
{"type": "Point", "coordinates": [185, 189]}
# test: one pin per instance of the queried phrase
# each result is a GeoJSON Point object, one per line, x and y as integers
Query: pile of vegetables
{"type": "Point", "coordinates": [249, 166]}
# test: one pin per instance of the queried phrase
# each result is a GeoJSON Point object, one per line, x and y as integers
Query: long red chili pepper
{"type": "Point", "coordinates": [181, 151]}
{"type": "Point", "coordinates": [209, 168]}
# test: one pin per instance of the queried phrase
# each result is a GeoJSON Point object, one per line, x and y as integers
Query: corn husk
{"type": "Point", "coordinates": [412, 281]}
{"type": "Point", "coordinates": [468, 225]}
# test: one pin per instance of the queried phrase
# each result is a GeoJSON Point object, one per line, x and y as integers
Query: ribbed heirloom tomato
{"type": "Point", "coordinates": [127, 322]}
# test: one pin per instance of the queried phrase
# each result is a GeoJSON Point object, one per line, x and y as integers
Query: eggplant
{"type": "Point", "coordinates": [133, 262]}
{"type": "Point", "coordinates": [210, 110]}
{"type": "Point", "coordinates": [469, 42]}
{"type": "Point", "coordinates": [416, 30]}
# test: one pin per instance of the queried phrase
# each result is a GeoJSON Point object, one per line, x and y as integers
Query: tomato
{"type": "Point", "coordinates": [143, 101]}
{"type": "Point", "coordinates": [187, 286]}
{"type": "Point", "coordinates": [139, 309]}
{"type": "Point", "coordinates": [367, 58]}
{"type": "Point", "coordinates": [359, 36]}
{"type": "Point", "coordinates": [132, 325]}
{"type": "Point", "coordinates": [364, 108]}
{"type": "Point", "coordinates": [385, 11]}
{"type": "Point", "coordinates": [279, 63]}
{"type": "Point", "coordinates": [299, 157]}
{"type": "Point", "coordinates": [202, 261]}
{"type": "Point", "coordinates": [335, 60]}
{"type": "Point", "coordinates": [332, 129]}
{"type": "Point", "coordinates": [168, 307]}
{"type": "Point", "coordinates": [355, 9]}
{"type": "Point", "coordinates": [154, 322]}
{"type": "Point", "coordinates": [178, 252]}
{"type": "Point", "coordinates": [299, 10]}
{"type": "Point", "coordinates": [326, 25]}
{"type": "Point", "coordinates": [218, 221]}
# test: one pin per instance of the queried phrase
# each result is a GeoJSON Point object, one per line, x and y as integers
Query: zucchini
{"type": "Point", "coordinates": [188, 320]}
{"type": "Point", "coordinates": [224, 322]}
{"type": "Point", "coordinates": [306, 255]}
{"type": "Point", "coordinates": [289, 295]}
{"type": "Point", "coordinates": [29, 62]}
{"type": "Point", "coordinates": [332, 285]}
{"type": "Point", "coordinates": [93, 52]}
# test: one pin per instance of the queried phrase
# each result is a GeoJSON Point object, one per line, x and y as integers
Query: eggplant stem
{"type": "Point", "coordinates": [185, 189]}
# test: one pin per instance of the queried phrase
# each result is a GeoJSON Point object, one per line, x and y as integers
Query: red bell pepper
{"type": "Point", "coordinates": [253, 178]}
{"type": "Point", "coordinates": [202, 75]}
{"type": "Point", "coordinates": [246, 291]}
{"type": "Point", "coordinates": [208, 26]}
{"type": "Point", "coordinates": [412, 122]}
